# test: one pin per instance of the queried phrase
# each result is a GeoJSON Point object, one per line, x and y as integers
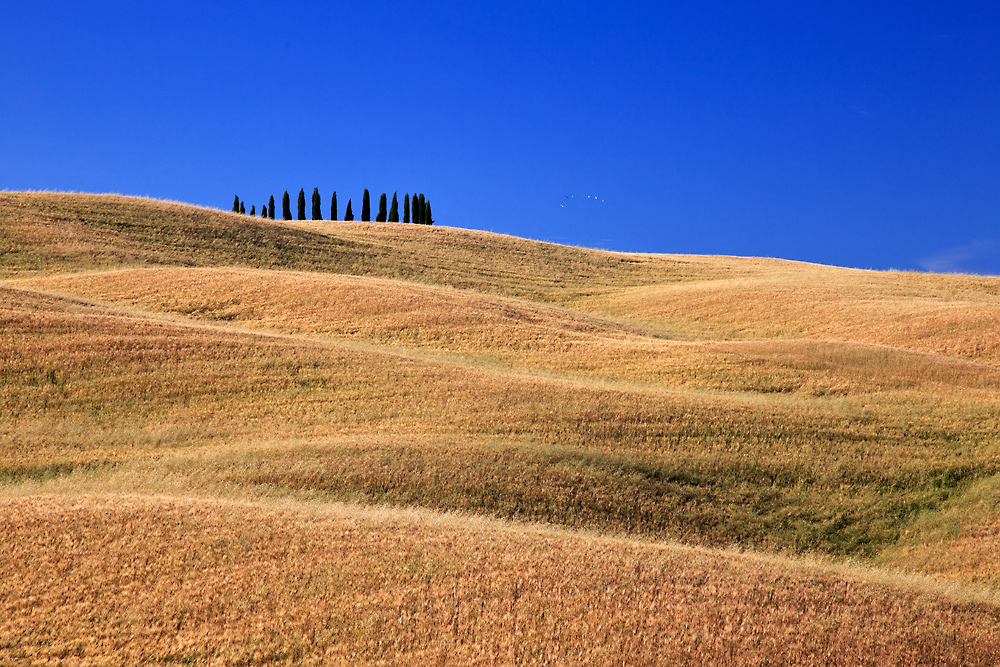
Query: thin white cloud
{"type": "Point", "coordinates": [956, 260]}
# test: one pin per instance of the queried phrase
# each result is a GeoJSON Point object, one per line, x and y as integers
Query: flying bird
{"type": "Point", "coordinates": [594, 197]}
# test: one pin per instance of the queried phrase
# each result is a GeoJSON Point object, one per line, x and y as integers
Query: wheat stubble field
{"type": "Point", "coordinates": [233, 441]}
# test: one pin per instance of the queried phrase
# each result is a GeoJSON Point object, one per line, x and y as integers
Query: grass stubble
{"type": "Point", "coordinates": [190, 397]}
{"type": "Point", "coordinates": [148, 579]}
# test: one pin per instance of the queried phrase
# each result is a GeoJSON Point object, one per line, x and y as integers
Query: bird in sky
{"type": "Point", "coordinates": [594, 197]}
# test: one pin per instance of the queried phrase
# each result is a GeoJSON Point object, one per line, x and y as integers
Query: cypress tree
{"type": "Point", "coordinates": [236, 204]}
{"type": "Point", "coordinates": [333, 206]}
{"type": "Point", "coordinates": [421, 210]}
{"type": "Point", "coordinates": [317, 212]}
{"type": "Point", "coordinates": [270, 208]}
{"type": "Point", "coordinates": [253, 211]}
{"type": "Point", "coordinates": [428, 218]}
{"type": "Point", "coordinates": [286, 207]}
{"type": "Point", "coordinates": [348, 214]}
{"type": "Point", "coordinates": [382, 215]}
{"type": "Point", "coordinates": [263, 210]}
{"type": "Point", "coordinates": [415, 210]}
{"type": "Point", "coordinates": [243, 209]}
{"type": "Point", "coordinates": [366, 207]}
{"type": "Point", "coordinates": [302, 204]}
{"type": "Point", "coordinates": [394, 209]}
{"type": "Point", "coordinates": [406, 208]}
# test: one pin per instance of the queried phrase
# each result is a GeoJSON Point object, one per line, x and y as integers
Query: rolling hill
{"type": "Point", "coordinates": [229, 440]}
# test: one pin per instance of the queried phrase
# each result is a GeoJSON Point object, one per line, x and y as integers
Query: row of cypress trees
{"type": "Point", "coordinates": [416, 209]}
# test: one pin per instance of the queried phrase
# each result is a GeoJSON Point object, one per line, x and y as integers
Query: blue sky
{"type": "Point", "coordinates": [858, 134]}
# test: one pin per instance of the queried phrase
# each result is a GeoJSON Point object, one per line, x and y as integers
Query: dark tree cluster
{"type": "Point", "coordinates": [416, 208]}
{"type": "Point", "coordinates": [239, 206]}
{"type": "Point", "coordinates": [420, 210]}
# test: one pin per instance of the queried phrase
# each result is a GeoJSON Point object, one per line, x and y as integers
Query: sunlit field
{"type": "Point", "coordinates": [228, 440]}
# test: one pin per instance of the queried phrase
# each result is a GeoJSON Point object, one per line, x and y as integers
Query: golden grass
{"type": "Point", "coordinates": [939, 314]}
{"type": "Point", "coordinates": [960, 541]}
{"type": "Point", "coordinates": [49, 232]}
{"type": "Point", "coordinates": [377, 310]}
{"type": "Point", "coordinates": [474, 328]}
{"type": "Point", "coordinates": [129, 579]}
{"type": "Point", "coordinates": [688, 297]}
{"type": "Point", "coordinates": [152, 350]}
{"type": "Point", "coordinates": [94, 386]}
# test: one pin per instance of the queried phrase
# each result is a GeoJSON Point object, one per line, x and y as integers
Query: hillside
{"type": "Point", "coordinates": [147, 578]}
{"type": "Point", "coordinates": [346, 383]}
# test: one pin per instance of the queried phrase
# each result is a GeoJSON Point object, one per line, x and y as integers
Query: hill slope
{"type": "Point", "coordinates": [157, 353]}
{"type": "Point", "coordinates": [227, 582]}
{"type": "Point", "coordinates": [46, 232]}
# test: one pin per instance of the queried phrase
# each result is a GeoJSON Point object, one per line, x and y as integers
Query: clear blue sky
{"type": "Point", "coordinates": [852, 133]}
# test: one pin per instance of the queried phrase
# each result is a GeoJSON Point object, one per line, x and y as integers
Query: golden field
{"type": "Point", "coordinates": [182, 580]}
{"type": "Point", "coordinates": [228, 440]}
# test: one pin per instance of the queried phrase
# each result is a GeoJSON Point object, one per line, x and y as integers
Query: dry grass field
{"type": "Point", "coordinates": [228, 440]}
{"type": "Point", "coordinates": [153, 579]}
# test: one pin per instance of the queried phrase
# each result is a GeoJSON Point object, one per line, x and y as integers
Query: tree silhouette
{"type": "Point", "coordinates": [236, 204]}
{"type": "Point", "coordinates": [243, 209]}
{"type": "Point", "coordinates": [348, 214]}
{"type": "Point", "coordinates": [381, 217]}
{"type": "Point", "coordinates": [394, 209]}
{"type": "Point", "coordinates": [333, 206]}
{"type": "Point", "coordinates": [301, 204]}
{"type": "Point", "coordinates": [421, 210]}
{"type": "Point", "coordinates": [286, 208]}
{"type": "Point", "coordinates": [253, 211]}
{"type": "Point", "coordinates": [366, 207]}
{"type": "Point", "coordinates": [317, 213]}
{"type": "Point", "coordinates": [270, 208]}
{"type": "Point", "coordinates": [406, 208]}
